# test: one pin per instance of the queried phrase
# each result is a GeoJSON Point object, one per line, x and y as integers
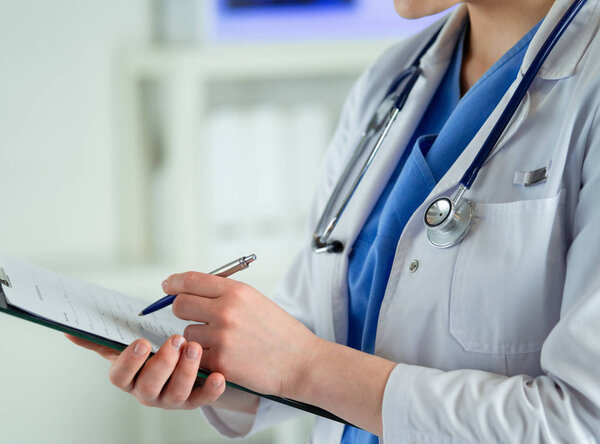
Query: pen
{"type": "Point", "coordinates": [224, 271]}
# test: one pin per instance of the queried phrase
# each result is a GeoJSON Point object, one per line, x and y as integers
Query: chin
{"type": "Point", "coordinates": [412, 9]}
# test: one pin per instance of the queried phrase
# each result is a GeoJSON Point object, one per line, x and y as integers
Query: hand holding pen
{"type": "Point", "coordinates": [224, 271]}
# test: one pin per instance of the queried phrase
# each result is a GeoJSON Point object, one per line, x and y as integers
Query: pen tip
{"type": "Point", "coordinates": [249, 259]}
{"type": "Point", "coordinates": [140, 314]}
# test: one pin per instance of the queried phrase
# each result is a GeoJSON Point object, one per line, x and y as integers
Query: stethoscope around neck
{"type": "Point", "coordinates": [447, 219]}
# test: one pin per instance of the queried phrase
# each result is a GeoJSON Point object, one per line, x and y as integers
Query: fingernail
{"type": "Point", "coordinates": [164, 285]}
{"type": "Point", "coordinates": [216, 383]}
{"type": "Point", "coordinates": [192, 353]}
{"type": "Point", "coordinates": [176, 342]}
{"type": "Point", "coordinates": [140, 349]}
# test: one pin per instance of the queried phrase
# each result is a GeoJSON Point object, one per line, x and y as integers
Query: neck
{"type": "Point", "coordinates": [494, 27]}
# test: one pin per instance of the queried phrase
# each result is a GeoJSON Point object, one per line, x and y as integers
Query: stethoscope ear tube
{"type": "Point", "coordinates": [320, 246]}
{"type": "Point", "coordinates": [402, 83]}
{"type": "Point", "coordinates": [321, 241]}
{"type": "Point", "coordinates": [522, 88]}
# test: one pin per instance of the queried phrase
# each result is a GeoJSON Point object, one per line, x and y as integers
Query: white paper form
{"type": "Point", "coordinates": [84, 306]}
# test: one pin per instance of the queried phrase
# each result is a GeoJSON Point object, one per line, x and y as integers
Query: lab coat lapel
{"type": "Point", "coordinates": [433, 66]}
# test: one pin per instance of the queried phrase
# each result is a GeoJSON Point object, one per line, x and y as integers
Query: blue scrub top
{"type": "Point", "coordinates": [446, 128]}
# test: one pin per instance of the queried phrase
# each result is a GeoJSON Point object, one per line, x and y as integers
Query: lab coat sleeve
{"type": "Point", "coordinates": [562, 405]}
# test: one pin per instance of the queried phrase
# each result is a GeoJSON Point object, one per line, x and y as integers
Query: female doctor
{"type": "Point", "coordinates": [494, 338]}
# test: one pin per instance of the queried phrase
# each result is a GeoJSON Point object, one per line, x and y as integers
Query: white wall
{"type": "Point", "coordinates": [57, 196]}
{"type": "Point", "coordinates": [56, 124]}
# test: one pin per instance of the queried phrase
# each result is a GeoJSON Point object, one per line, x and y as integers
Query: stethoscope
{"type": "Point", "coordinates": [448, 219]}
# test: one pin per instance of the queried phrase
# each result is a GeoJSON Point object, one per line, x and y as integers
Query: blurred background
{"type": "Point", "coordinates": [145, 137]}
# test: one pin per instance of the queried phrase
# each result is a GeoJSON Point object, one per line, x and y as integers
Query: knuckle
{"type": "Point", "coordinates": [162, 362]}
{"type": "Point", "coordinates": [190, 279]}
{"type": "Point", "coordinates": [178, 398]}
{"type": "Point", "coordinates": [229, 317]}
{"type": "Point", "coordinates": [188, 373]}
{"type": "Point", "coordinates": [114, 379]}
{"type": "Point", "coordinates": [147, 390]}
{"type": "Point", "coordinates": [178, 306]}
{"type": "Point", "coordinates": [236, 290]}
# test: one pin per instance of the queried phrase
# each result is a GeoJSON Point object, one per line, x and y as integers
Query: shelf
{"type": "Point", "coordinates": [255, 61]}
{"type": "Point", "coordinates": [190, 79]}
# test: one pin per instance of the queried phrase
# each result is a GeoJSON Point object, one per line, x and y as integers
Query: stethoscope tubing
{"type": "Point", "coordinates": [490, 142]}
{"type": "Point", "coordinates": [320, 241]}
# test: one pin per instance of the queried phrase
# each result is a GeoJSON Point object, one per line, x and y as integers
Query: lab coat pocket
{"type": "Point", "coordinates": [509, 275]}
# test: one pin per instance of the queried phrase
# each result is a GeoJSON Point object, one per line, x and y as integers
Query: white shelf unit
{"type": "Point", "coordinates": [193, 83]}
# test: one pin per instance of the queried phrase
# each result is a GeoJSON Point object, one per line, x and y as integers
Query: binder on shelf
{"type": "Point", "coordinates": [39, 290]}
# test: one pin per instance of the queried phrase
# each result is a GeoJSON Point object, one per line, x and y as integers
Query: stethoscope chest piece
{"type": "Point", "coordinates": [448, 221]}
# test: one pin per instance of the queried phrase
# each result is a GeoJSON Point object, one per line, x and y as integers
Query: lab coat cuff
{"type": "Point", "coordinates": [395, 404]}
{"type": "Point", "coordinates": [228, 422]}
{"type": "Point", "coordinates": [236, 424]}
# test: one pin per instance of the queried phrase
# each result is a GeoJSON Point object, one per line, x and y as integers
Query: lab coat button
{"type": "Point", "coordinates": [414, 264]}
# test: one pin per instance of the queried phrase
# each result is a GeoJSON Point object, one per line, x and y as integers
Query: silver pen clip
{"type": "Point", "coordinates": [529, 178]}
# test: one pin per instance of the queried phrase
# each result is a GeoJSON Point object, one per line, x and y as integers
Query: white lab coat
{"type": "Point", "coordinates": [497, 339]}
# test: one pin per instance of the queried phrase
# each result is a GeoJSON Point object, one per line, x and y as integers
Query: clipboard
{"type": "Point", "coordinates": [11, 310]}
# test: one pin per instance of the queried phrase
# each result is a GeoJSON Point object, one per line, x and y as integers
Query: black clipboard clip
{"type": "Point", "coordinates": [4, 279]}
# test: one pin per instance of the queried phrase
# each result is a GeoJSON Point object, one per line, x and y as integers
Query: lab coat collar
{"type": "Point", "coordinates": [562, 61]}
{"type": "Point", "coordinates": [442, 49]}
{"type": "Point", "coordinates": [565, 56]}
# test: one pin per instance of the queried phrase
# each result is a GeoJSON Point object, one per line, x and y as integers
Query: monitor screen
{"type": "Point", "coordinates": [235, 4]}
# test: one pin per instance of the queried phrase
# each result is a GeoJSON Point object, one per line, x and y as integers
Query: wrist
{"type": "Point", "coordinates": [346, 382]}
{"type": "Point", "coordinates": [298, 385]}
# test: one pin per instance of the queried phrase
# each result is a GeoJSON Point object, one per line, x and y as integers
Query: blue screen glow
{"type": "Point", "coordinates": [301, 20]}
{"type": "Point", "coordinates": [235, 4]}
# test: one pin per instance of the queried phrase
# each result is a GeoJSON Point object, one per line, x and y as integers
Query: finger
{"type": "Point", "coordinates": [105, 352]}
{"type": "Point", "coordinates": [200, 284]}
{"type": "Point", "coordinates": [151, 380]}
{"type": "Point", "coordinates": [193, 308]}
{"type": "Point", "coordinates": [213, 387]}
{"type": "Point", "coordinates": [182, 380]}
{"type": "Point", "coordinates": [128, 363]}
